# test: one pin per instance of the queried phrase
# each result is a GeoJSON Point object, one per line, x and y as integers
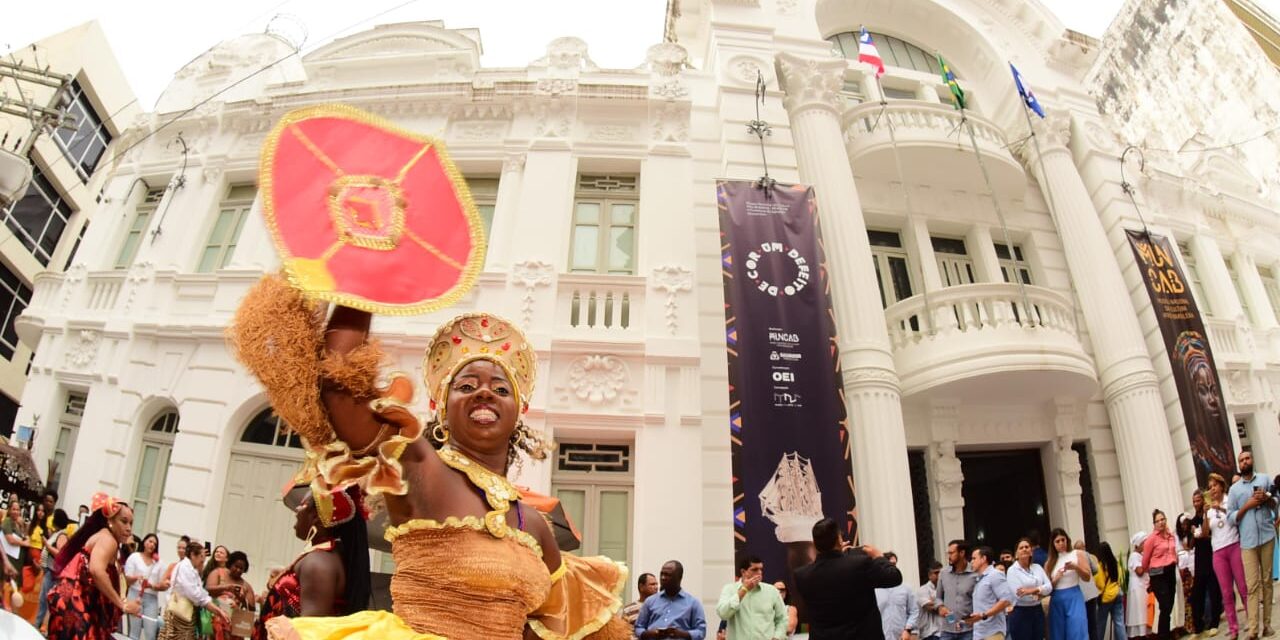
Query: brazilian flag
{"type": "Point", "coordinates": [950, 78]}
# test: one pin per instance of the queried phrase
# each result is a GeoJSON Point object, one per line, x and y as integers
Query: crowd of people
{"type": "Point", "coordinates": [1175, 581]}
{"type": "Point", "coordinates": [91, 578]}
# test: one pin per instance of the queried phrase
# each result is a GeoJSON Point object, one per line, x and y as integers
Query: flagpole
{"type": "Point", "coordinates": [906, 197]}
{"type": "Point", "coordinates": [995, 201]}
{"type": "Point", "coordinates": [1048, 192]}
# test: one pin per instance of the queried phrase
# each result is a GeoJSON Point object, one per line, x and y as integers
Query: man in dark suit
{"type": "Point", "coordinates": [839, 588]}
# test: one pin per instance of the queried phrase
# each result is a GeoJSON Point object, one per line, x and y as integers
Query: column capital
{"type": "Point", "coordinates": [1053, 132]}
{"type": "Point", "coordinates": [513, 162]}
{"type": "Point", "coordinates": [811, 82]}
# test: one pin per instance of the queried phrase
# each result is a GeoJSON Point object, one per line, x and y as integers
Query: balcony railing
{"type": "Point", "coordinates": [971, 330]}
{"type": "Point", "coordinates": [606, 306]}
{"type": "Point", "coordinates": [586, 306]}
{"type": "Point", "coordinates": [978, 307]}
{"type": "Point", "coordinates": [932, 141]}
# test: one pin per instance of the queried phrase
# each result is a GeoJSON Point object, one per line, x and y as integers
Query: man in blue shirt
{"type": "Point", "coordinates": [1251, 505]}
{"type": "Point", "coordinates": [991, 597]}
{"type": "Point", "coordinates": [672, 612]}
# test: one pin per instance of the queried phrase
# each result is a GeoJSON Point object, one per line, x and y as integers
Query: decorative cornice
{"type": "Point", "coordinates": [811, 83]}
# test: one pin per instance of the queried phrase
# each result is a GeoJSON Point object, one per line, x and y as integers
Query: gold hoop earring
{"type": "Point", "coordinates": [311, 534]}
{"type": "Point", "coordinates": [439, 433]}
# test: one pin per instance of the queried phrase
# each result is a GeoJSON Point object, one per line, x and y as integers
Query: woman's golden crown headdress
{"type": "Point", "coordinates": [479, 336]}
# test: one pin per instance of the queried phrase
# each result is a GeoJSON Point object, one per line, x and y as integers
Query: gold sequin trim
{"type": "Point", "coordinates": [454, 522]}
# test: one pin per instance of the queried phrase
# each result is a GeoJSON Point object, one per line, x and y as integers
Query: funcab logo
{"type": "Point", "coordinates": [777, 269]}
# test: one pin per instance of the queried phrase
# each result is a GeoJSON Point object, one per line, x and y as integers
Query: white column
{"type": "Point", "coordinates": [1215, 278]}
{"type": "Point", "coordinates": [870, 381]}
{"type": "Point", "coordinates": [1129, 384]}
{"type": "Point", "coordinates": [918, 243]}
{"type": "Point", "coordinates": [1254, 292]}
{"type": "Point", "coordinates": [505, 210]}
{"type": "Point", "coordinates": [983, 252]}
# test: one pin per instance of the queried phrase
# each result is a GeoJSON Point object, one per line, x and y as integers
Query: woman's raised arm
{"type": "Point", "coordinates": [353, 421]}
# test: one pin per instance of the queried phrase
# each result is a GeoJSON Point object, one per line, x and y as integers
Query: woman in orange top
{"type": "Point", "coordinates": [473, 561]}
{"type": "Point", "coordinates": [1160, 562]}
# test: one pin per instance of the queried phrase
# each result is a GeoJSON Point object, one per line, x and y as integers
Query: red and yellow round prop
{"type": "Point", "coordinates": [368, 215]}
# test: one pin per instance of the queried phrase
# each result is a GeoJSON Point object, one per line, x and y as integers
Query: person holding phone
{"type": "Point", "coordinates": [1068, 568]}
{"type": "Point", "coordinates": [1160, 563]}
{"type": "Point", "coordinates": [1251, 505]}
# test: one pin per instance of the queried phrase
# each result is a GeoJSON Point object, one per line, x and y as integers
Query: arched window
{"type": "Point", "coordinates": [895, 51]}
{"type": "Point", "coordinates": [153, 465]}
{"type": "Point", "coordinates": [267, 428]}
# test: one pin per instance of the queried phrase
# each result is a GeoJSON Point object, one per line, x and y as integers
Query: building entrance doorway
{"type": "Point", "coordinates": [1004, 497]}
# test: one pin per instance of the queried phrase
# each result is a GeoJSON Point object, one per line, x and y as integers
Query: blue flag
{"type": "Point", "coordinates": [1027, 95]}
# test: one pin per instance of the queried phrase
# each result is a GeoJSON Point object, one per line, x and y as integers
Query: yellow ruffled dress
{"type": "Point", "coordinates": [462, 579]}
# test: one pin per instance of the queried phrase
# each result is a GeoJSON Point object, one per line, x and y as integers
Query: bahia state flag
{"type": "Point", "coordinates": [868, 53]}
{"type": "Point", "coordinates": [950, 78]}
{"type": "Point", "coordinates": [1028, 96]}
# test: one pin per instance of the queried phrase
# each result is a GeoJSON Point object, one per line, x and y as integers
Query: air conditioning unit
{"type": "Point", "coordinates": [15, 177]}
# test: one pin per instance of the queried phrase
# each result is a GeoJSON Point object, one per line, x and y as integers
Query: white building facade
{"type": "Point", "coordinates": [966, 420]}
{"type": "Point", "coordinates": [42, 231]}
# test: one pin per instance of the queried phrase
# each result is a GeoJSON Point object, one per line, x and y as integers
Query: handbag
{"type": "Point", "coordinates": [242, 623]}
{"type": "Point", "coordinates": [181, 607]}
{"type": "Point", "coordinates": [204, 623]}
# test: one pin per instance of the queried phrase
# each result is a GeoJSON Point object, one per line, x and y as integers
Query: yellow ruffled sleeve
{"type": "Point", "coordinates": [278, 334]}
{"type": "Point", "coordinates": [585, 598]}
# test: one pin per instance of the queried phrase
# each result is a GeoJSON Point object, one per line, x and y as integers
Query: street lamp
{"type": "Point", "coordinates": [15, 167]}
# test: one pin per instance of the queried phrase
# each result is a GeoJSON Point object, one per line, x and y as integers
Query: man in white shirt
{"type": "Point", "coordinates": [898, 607]}
{"type": "Point", "coordinates": [929, 623]}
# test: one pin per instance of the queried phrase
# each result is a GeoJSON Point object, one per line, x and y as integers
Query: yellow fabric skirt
{"type": "Point", "coordinates": [366, 625]}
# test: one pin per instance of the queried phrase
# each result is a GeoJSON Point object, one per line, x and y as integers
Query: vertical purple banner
{"type": "Point", "coordinates": [790, 445]}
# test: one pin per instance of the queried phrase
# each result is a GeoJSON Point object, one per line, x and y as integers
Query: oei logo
{"type": "Point", "coordinates": [767, 258]}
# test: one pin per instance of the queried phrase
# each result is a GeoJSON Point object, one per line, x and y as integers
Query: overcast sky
{"type": "Point", "coordinates": [154, 38]}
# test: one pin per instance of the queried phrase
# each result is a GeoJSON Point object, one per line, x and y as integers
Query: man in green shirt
{"type": "Point", "coordinates": [753, 608]}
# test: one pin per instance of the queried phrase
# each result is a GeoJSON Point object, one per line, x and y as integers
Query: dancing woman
{"type": "Point", "coordinates": [472, 560]}
{"type": "Point", "coordinates": [85, 602]}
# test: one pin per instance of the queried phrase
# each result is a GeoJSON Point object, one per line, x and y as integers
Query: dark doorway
{"type": "Point", "coordinates": [1004, 497]}
{"type": "Point", "coordinates": [923, 511]}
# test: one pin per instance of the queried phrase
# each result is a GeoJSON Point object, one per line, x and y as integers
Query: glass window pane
{"type": "Point", "coordinates": [230, 250]}
{"type": "Point", "coordinates": [574, 502]}
{"type": "Point", "coordinates": [622, 249]}
{"type": "Point", "coordinates": [221, 226]}
{"type": "Point", "coordinates": [901, 277]}
{"type": "Point", "coordinates": [128, 250]}
{"type": "Point", "coordinates": [486, 214]}
{"type": "Point", "coordinates": [147, 471]}
{"type": "Point", "coordinates": [884, 304]}
{"type": "Point", "coordinates": [901, 56]}
{"type": "Point", "coordinates": [586, 244]}
{"type": "Point", "coordinates": [849, 44]}
{"type": "Point", "coordinates": [588, 213]}
{"type": "Point", "coordinates": [622, 213]}
{"type": "Point", "coordinates": [614, 524]}
{"type": "Point", "coordinates": [208, 260]}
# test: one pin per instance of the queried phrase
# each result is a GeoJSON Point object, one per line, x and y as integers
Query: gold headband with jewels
{"type": "Point", "coordinates": [479, 336]}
